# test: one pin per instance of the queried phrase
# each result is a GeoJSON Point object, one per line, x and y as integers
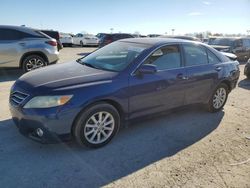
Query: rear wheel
{"type": "Point", "coordinates": [248, 76]}
{"type": "Point", "coordinates": [97, 125]}
{"type": "Point", "coordinates": [33, 62]}
{"type": "Point", "coordinates": [218, 99]}
{"type": "Point", "coordinates": [81, 43]}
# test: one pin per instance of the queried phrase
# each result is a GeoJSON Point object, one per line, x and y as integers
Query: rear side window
{"type": "Point", "coordinates": [167, 57]}
{"type": "Point", "coordinates": [212, 59]}
{"type": "Point", "coordinates": [10, 34]}
{"type": "Point", "coordinates": [195, 55]}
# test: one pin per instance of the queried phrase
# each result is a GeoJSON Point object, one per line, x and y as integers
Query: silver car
{"type": "Point", "coordinates": [26, 48]}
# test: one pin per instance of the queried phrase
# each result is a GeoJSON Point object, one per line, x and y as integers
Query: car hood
{"type": "Point", "coordinates": [64, 75]}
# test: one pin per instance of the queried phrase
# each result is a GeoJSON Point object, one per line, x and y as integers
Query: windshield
{"type": "Point", "coordinates": [222, 42]}
{"type": "Point", "coordinates": [114, 57]}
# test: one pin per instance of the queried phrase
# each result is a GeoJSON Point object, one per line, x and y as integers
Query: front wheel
{"type": "Point", "coordinates": [97, 125]}
{"type": "Point", "coordinates": [218, 99]}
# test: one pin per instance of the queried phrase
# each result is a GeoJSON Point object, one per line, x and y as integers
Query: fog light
{"type": "Point", "coordinates": [39, 132]}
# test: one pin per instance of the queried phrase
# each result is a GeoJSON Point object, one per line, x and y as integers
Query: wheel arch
{"type": "Point", "coordinates": [114, 103]}
{"type": "Point", "coordinates": [227, 83]}
{"type": "Point", "coordinates": [41, 54]}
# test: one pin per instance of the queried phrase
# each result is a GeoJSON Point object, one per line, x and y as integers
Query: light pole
{"type": "Point", "coordinates": [111, 30]}
{"type": "Point", "coordinates": [173, 31]}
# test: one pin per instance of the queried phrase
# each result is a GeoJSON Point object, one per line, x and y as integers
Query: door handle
{"type": "Point", "coordinates": [218, 68]}
{"type": "Point", "coordinates": [182, 77]}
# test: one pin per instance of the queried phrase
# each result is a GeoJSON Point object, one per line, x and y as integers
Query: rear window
{"type": "Point", "coordinates": [52, 34]}
{"type": "Point", "coordinates": [42, 34]}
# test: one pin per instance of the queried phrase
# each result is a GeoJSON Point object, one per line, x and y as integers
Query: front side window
{"type": "Point", "coordinates": [168, 57]}
{"type": "Point", "coordinates": [114, 57]}
{"type": "Point", "coordinates": [195, 55]}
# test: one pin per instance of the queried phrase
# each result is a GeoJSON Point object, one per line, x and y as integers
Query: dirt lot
{"type": "Point", "coordinates": [186, 148]}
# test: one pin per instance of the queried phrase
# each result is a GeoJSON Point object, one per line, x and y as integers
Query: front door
{"type": "Point", "coordinates": [165, 89]}
{"type": "Point", "coordinates": [10, 45]}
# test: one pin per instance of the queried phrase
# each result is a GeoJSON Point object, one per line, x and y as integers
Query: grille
{"type": "Point", "coordinates": [18, 97]}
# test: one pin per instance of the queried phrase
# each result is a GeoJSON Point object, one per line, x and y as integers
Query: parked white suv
{"type": "Point", "coordinates": [85, 40]}
{"type": "Point", "coordinates": [26, 48]}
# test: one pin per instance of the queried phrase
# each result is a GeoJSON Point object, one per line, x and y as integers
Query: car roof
{"type": "Point", "coordinates": [19, 28]}
{"type": "Point", "coordinates": [158, 41]}
{"type": "Point", "coordinates": [117, 34]}
{"type": "Point", "coordinates": [233, 38]}
{"type": "Point", "coordinates": [15, 27]}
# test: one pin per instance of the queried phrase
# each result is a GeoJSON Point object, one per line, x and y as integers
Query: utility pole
{"type": "Point", "coordinates": [173, 31]}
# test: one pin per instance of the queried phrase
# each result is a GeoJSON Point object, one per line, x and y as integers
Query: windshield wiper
{"type": "Point", "coordinates": [83, 63]}
{"type": "Point", "coordinates": [79, 60]}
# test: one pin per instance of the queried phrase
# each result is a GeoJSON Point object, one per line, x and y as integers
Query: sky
{"type": "Point", "coordinates": [130, 16]}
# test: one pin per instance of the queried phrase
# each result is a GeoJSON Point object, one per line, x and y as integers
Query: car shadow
{"type": "Point", "coordinates": [245, 84]}
{"type": "Point", "coordinates": [68, 165]}
{"type": "Point", "coordinates": [10, 74]}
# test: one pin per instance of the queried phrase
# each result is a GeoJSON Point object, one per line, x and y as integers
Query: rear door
{"type": "Point", "coordinates": [152, 93]}
{"type": "Point", "coordinates": [203, 69]}
{"type": "Point", "coordinates": [10, 46]}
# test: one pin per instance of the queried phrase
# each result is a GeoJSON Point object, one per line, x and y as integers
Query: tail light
{"type": "Point", "coordinates": [51, 42]}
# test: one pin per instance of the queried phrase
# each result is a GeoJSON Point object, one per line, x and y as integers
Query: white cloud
{"type": "Point", "coordinates": [195, 14]}
{"type": "Point", "coordinates": [206, 3]}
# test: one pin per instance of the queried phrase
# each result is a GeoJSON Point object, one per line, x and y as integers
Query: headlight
{"type": "Point", "coordinates": [47, 101]}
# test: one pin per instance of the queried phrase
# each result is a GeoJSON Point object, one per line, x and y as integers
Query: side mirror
{"type": "Point", "coordinates": [147, 69]}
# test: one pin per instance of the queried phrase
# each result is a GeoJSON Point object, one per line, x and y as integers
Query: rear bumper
{"type": "Point", "coordinates": [53, 57]}
{"type": "Point", "coordinates": [247, 69]}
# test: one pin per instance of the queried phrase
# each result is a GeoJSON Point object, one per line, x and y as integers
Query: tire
{"type": "Point", "coordinates": [88, 127]}
{"type": "Point", "coordinates": [215, 104]}
{"type": "Point", "coordinates": [81, 43]}
{"type": "Point", "coordinates": [33, 62]}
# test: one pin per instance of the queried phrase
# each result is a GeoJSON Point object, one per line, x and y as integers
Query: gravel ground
{"type": "Point", "coordinates": [185, 148]}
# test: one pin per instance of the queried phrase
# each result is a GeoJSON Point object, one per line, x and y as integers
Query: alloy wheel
{"type": "Point", "coordinates": [99, 127]}
{"type": "Point", "coordinates": [34, 63]}
{"type": "Point", "coordinates": [219, 98]}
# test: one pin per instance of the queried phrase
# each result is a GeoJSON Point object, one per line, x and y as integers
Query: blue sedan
{"type": "Point", "coordinates": [89, 99]}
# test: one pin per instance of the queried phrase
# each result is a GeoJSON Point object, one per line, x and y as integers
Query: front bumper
{"type": "Point", "coordinates": [56, 126]}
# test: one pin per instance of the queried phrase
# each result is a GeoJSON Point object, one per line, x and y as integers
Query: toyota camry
{"type": "Point", "coordinates": [90, 98]}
